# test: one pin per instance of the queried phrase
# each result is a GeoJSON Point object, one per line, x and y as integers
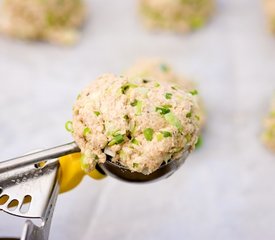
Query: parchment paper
{"type": "Point", "coordinates": [226, 190]}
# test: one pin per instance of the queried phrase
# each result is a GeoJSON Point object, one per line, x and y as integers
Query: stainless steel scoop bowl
{"type": "Point", "coordinates": [124, 174]}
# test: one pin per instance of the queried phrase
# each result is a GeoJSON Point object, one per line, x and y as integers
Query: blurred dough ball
{"type": "Point", "coordinates": [269, 7]}
{"type": "Point", "coordinates": [158, 70]}
{"type": "Point", "coordinates": [268, 135]}
{"type": "Point", "coordinates": [50, 20]}
{"type": "Point", "coordinates": [177, 15]}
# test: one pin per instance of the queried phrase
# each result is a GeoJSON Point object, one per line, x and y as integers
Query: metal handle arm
{"type": "Point", "coordinates": [37, 157]}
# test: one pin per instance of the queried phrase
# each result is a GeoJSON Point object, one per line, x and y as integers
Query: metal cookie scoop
{"type": "Point", "coordinates": [29, 185]}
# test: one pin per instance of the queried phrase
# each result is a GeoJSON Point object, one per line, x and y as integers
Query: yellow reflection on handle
{"type": "Point", "coordinates": [71, 172]}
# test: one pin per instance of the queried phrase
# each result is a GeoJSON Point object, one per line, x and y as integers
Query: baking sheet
{"type": "Point", "coordinates": [224, 191]}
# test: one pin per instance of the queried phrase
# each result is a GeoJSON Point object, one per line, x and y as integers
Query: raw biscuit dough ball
{"type": "Point", "coordinates": [177, 15]}
{"type": "Point", "coordinates": [51, 20]}
{"type": "Point", "coordinates": [140, 124]}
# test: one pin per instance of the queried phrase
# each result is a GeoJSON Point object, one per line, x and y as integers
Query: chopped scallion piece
{"type": "Point", "coordinates": [148, 134]}
{"type": "Point", "coordinates": [135, 165]}
{"type": "Point", "coordinates": [157, 85]}
{"type": "Point", "coordinates": [134, 103]}
{"type": "Point", "coordinates": [159, 136]}
{"type": "Point", "coordinates": [135, 141]}
{"type": "Point", "coordinates": [84, 165]}
{"type": "Point", "coordinates": [69, 126]}
{"type": "Point", "coordinates": [115, 132]}
{"type": "Point", "coordinates": [116, 140]}
{"type": "Point", "coordinates": [194, 92]}
{"type": "Point", "coordinates": [168, 95]}
{"type": "Point", "coordinates": [126, 117]}
{"type": "Point", "coordinates": [166, 134]}
{"type": "Point", "coordinates": [138, 108]}
{"type": "Point", "coordinates": [162, 110]}
{"type": "Point", "coordinates": [126, 86]}
{"type": "Point", "coordinates": [86, 131]}
{"type": "Point", "coordinates": [189, 115]}
{"type": "Point", "coordinates": [188, 137]}
{"type": "Point", "coordinates": [199, 142]}
{"type": "Point", "coordinates": [138, 104]}
{"type": "Point", "coordinates": [174, 88]}
{"type": "Point", "coordinates": [133, 127]}
{"type": "Point", "coordinates": [173, 120]}
{"type": "Point", "coordinates": [96, 113]}
{"type": "Point", "coordinates": [197, 117]}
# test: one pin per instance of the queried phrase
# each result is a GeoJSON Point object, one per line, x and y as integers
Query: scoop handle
{"type": "Point", "coordinates": [39, 156]}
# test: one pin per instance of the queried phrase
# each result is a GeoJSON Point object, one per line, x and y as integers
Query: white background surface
{"type": "Point", "coordinates": [226, 190]}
